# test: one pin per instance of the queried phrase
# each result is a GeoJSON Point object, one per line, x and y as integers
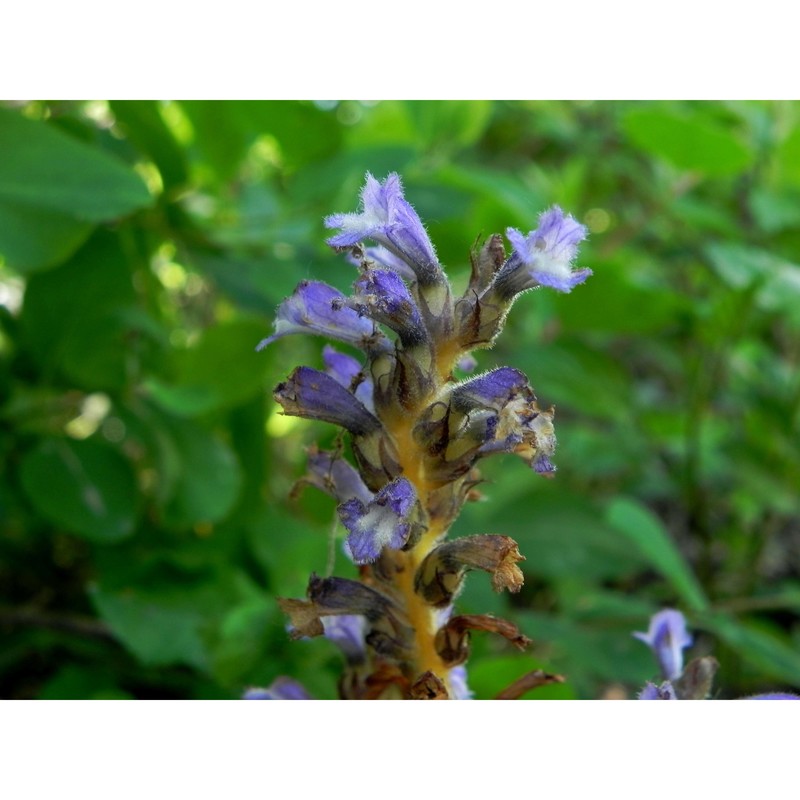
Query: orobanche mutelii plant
{"type": "Point", "coordinates": [416, 436]}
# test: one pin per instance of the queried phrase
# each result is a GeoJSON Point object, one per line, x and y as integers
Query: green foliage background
{"type": "Point", "coordinates": [144, 488]}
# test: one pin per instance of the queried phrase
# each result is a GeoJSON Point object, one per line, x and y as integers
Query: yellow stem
{"type": "Point", "coordinates": [421, 615]}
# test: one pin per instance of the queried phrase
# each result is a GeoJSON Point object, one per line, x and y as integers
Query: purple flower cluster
{"type": "Point", "coordinates": [416, 435]}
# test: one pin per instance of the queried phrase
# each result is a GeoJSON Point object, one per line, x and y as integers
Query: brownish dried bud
{"type": "Point", "coordinates": [696, 681]}
{"type": "Point", "coordinates": [328, 597]}
{"type": "Point", "coordinates": [428, 686]}
{"type": "Point", "coordinates": [303, 617]}
{"type": "Point", "coordinates": [440, 576]}
{"type": "Point", "coordinates": [452, 640]}
{"type": "Point", "coordinates": [533, 680]}
{"type": "Point", "coordinates": [486, 262]}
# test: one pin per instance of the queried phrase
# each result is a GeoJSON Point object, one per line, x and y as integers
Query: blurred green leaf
{"type": "Point", "coordinates": [787, 158]}
{"type": "Point", "coordinates": [144, 125]}
{"type": "Point", "coordinates": [304, 132]}
{"type": "Point", "coordinates": [210, 478]}
{"type": "Point", "coordinates": [776, 279]}
{"type": "Point", "coordinates": [559, 533]}
{"type": "Point", "coordinates": [72, 318]}
{"type": "Point", "coordinates": [449, 123]}
{"type": "Point", "coordinates": [34, 238]}
{"type": "Point", "coordinates": [78, 683]}
{"type": "Point", "coordinates": [589, 656]}
{"type": "Point", "coordinates": [220, 370]}
{"type": "Point", "coordinates": [688, 142]}
{"type": "Point", "coordinates": [52, 171]}
{"type": "Point", "coordinates": [155, 634]}
{"type": "Point", "coordinates": [645, 533]}
{"type": "Point", "coordinates": [768, 653]}
{"type": "Point", "coordinates": [84, 486]}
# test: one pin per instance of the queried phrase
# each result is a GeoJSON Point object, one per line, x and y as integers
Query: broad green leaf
{"type": "Point", "coordinates": [34, 238]}
{"type": "Point", "coordinates": [304, 132]}
{"type": "Point", "coordinates": [688, 142]}
{"type": "Point", "coordinates": [449, 123]}
{"type": "Point", "coordinates": [647, 537]}
{"type": "Point", "coordinates": [221, 370]}
{"type": "Point", "coordinates": [222, 132]}
{"type": "Point", "coordinates": [156, 634]}
{"type": "Point", "coordinates": [83, 486]}
{"type": "Point", "coordinates": [145, 127]}
{"type": "Point", "coordinates": [52, 171]}
{"type": "Point", "coordinates": [787, 159]}
{"type": "Point", "coordinates": [386, 123]}
{"type": "Point", "coordinates": [72, 320]}
{"type": "Point", "coordinates": [79, 683]}
{"type": "Point", "coordinates": [210, 478]}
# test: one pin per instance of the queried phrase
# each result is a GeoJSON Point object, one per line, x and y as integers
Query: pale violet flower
{"type": "Point", "coordinates": [544, 256]}
{"type": "Point", "coordinates": [387, 218]}
{"type": "Point", "coordinates": [667, 637]}
{"type": "Point", "coordinates": [663, 692]}
{"type": "Point", "coordinates": [381, 522]}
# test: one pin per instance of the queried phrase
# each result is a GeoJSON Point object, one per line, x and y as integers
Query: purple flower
{"type": "Point", "coordinates": [347, 632]}
{"type": "Point", "coordinates": [458, 683]}
{"type": "Point", "coordinates": [544, 257]}
{"type": "Point", "coordinates": [490, 390]}
{"type": "Point", "coordinates": [280, 689]}
{"type": "Point", "coordinates": [517, 425]}
{"type": "Point", "coordinates": [467, 363]}
{"type": "Point", "coordinates": [388, 219]}
{"type": "Point", "coordinates": [312, 394]}
{"type": "Point", "coordinates": [382, 295]}
{"type": "Point", "coordinates": [347, 371]}
{"type": "Point", "coordinates": [773, 696]}
{"type": "Point", "coordinates": [336, 477]}
{"type": "Point", "coordinates": [381, 522]}
{"type": "Point", "coordinates": [653, 692]}
{"type": "Point", "coordinates": [668, 637]}
{"type": "Point", "coordinates": [318, 308]}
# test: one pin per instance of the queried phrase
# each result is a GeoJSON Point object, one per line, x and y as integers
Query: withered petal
{"type": "Point", "coordinates": [440, 575]}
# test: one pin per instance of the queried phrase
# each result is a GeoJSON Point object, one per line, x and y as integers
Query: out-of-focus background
{"type": "Point", "coordinates": [146, 521]}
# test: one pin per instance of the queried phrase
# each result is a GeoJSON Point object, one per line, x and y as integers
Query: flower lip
{"type": "Point", "coordinates": [381, 522]}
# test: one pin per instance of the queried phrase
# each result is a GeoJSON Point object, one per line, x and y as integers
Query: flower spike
{"type": "Point", "coordinates": [417, 435]}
